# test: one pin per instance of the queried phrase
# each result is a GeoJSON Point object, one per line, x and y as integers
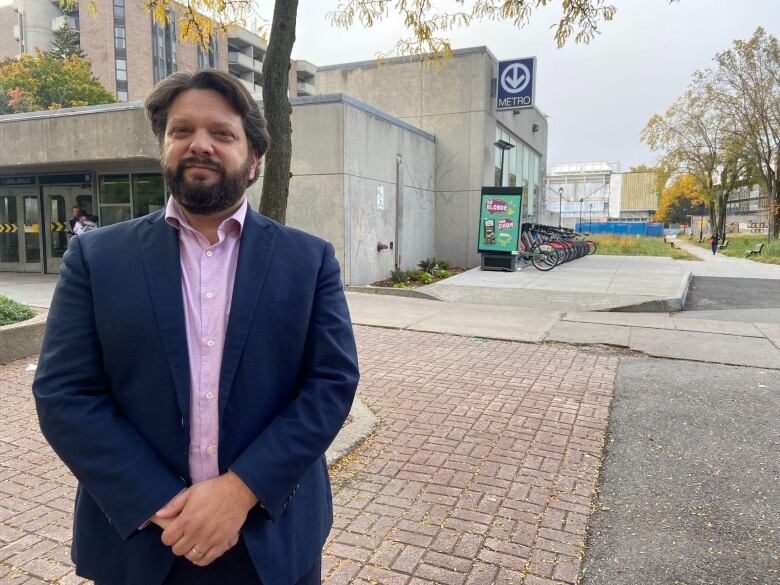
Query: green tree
{"type": "Point", "coordinates": [695, 138]}
{"type": "Point", "coordinates": [66, 43]}
{"type": "Point", "coordinates": [41, 82]}
{"type": "Point", "coordinates": [747, 92]}
{"type": "Point", "coordinates": [677, 201]}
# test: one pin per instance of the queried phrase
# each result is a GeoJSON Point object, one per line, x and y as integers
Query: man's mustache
{"type": "Point", "coordinates": [193, 161]}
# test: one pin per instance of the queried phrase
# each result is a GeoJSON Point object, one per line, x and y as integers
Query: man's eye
{"type": "Point", "coordinates": [180, 131]}
{"type": "Point", "coordinates": [224, 134]}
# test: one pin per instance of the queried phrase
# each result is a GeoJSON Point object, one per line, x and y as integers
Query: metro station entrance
{"type": "Point", "coordinates": [20, 241]}
{"type": "Point", "coordinates": [58, 201]}
{"type": "Point", "coordinates": [34, 219]}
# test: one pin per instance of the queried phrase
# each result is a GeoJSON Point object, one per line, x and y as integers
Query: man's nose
{"type": "Point", "coordinates": [201, 143]}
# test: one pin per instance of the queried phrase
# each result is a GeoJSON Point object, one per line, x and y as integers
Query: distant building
{"type": "Point", "coordinates": [130, 53]}
{"type": "Point", "coordinates": [598, 191]}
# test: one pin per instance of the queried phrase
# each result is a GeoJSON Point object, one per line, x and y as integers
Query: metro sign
{"type": "Point", "coordinates": [516, 84]}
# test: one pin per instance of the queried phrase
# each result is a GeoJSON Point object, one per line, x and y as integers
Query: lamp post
{"type": "Point", "coordinates": [560, 204]}
{"type": "Point", "coordinates": [504, 146]}
{"type": "Point", "coordinates": [590, 217]}
{"type": "Point", "coordinates": [701, 223]}
{"type": "Point", "coordinates": [581, 200]}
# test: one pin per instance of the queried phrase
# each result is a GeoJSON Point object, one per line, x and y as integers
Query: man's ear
{"type": "Point", "coordinates": [254, 166]}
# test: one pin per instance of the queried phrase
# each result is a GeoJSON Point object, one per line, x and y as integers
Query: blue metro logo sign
{"type": "Point", "coordinates": [516, 84]}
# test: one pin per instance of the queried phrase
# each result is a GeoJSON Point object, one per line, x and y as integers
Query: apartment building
{"type": "Point", "coordinates": [130, 53]}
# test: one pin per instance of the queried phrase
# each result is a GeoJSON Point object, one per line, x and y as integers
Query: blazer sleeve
{"type": "Point", "coordinates": [78, 417]}
{"type": "Point", "coordinates": [275, 462]}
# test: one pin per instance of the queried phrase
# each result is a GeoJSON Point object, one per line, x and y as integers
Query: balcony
{"type": "Point", "coordinates": [305, 70]}
{"type": "Point", "coordinates": [241, 37]}
{"type": "Point", "coordinates": [305, 88]}
{"type": "Point", "coordinates": [240, 62]}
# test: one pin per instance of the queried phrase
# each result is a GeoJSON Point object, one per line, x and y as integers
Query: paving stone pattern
{"type": "Point", "coordinates": [482, 470]}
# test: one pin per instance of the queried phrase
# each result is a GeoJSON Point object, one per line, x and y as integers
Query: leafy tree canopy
{"type": "Point", "coordinates": [66, 43]}
{"type": "Point", "coordinates": [42, 82]}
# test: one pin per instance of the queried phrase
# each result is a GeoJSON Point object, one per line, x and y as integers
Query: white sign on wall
{"type": "Point", "coordinates": [380, 197]}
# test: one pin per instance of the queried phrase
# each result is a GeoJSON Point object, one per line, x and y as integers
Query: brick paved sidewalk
{"type": "Point", "coordinates": [482, 469]}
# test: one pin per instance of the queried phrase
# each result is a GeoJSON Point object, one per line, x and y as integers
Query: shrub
{"type": "Point", "coordinates": [428, 265]}
{"type": "Point", "coordinates": [13, 312]}
{"type": "Point", "coordinates": [399, 285]}
{"type": "Point", "coordinates": [443, 265]}
{"type": "Point", "coordinates": [399, 276]}
{"type": "Point", "coordinates": [442, 273]}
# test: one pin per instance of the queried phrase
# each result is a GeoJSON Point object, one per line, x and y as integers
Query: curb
{"type": "Point", "coordinates": [23, 339]}
{"type": "Point", "coordinates": [668, 305]}
{"type": "Point", "coordinates": [363, 424]}
{"type": "Point", "coordinates": [393, 292]}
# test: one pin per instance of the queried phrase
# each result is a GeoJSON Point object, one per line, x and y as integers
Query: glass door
{"type": "Point", "coordinates": [58, 203]}
{"type": "Point", "coordinates": [20, 238]}
{"type": "Point", "coordinates": [10, 257]}
{"type": "Point", "coordinates": [31, 235]}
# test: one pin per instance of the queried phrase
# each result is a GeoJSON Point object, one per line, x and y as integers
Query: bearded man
{"type": "Point", "coordinates": [216, 363]}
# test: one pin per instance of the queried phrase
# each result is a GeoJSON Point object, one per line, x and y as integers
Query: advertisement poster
{"type": "Point", "coordinates": [499, 219]}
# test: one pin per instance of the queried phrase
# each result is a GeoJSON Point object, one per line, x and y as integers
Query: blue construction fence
{"type": "Point", "coordinates": [621, 228]}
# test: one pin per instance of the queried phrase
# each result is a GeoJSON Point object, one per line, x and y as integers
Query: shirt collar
{"type": "Point", "coordinates": [176, 218]}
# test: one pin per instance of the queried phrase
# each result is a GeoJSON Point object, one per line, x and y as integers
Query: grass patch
{"type": "Point", "coordinates": [643, 246]}
{"type": "Point", "coordinates": [13, 312]}
{"type": "Point", "coordinates": [739, 244]}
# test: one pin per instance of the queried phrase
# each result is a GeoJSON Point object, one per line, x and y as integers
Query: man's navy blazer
{"type": "Point", "coordinates": [112, 390]}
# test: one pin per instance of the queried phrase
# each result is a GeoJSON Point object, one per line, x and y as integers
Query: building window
{"type": "Point", "coordinates": [209, 57]}
{"type": "Point", "coordinates": [121, 70]}
{"type": "Point", "coordinates": [119, 37]}
{"type": "Point", "coordinates": [164, 48]}
{"type": "Point", "coordinates": [120, 50]}
{"type": "Point", "coordinates": [125, 196]}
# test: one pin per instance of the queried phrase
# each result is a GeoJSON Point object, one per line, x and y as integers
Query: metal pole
{"type": "Point", "coordinates": [501, 177]}
{"type": "Point", "coordinates": [560, 205]}
{"type": "Point", "coordinates": [701, 224]}
{"type": "Point", "coordinates": [590, 217]}
{"type": "Point", "coordinates": [581, 213]}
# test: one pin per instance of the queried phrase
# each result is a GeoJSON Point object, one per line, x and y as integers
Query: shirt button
{"type": "Point", "coordinates": [210, 343]}
{"type": "Point", "coordinates": [209, 253]}
{"type": "Point", "coordinates": [209, 295]}
{"type": "Point", "coordinates": [210, 395]}
{"type": "Point", "coordinates": [210, 449]}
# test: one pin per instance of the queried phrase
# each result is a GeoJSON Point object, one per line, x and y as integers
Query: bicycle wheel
{"type": "Point", "coordinates": [591, 246]}
{"type": "Point", "coordinates": [545, 257]}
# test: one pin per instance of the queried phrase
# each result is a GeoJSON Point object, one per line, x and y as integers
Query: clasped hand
{"type": "Point", "coordinates": [204, 521]}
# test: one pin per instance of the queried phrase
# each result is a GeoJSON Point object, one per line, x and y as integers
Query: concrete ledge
{"type": "Point", "coordinates": [667, 305]}
{"type": "Point", "coordinates": [409, 293]}
{"type": "Point", "coordinates": [22, 339]}
{"type": "Point", "coordinates": [363, 424]}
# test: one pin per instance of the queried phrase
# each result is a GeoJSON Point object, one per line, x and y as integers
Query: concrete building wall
{"type": "Point", "coordinates": [38, 15]}
{"type": "Point", "coordinates": [385, 167]}
{"type": "Point", "coordinates": [75, 136]}
{"type": "Point", "coordinates": [452, 100]}
{"type": "Point", "coordinates": [341, 154]}
{"type": "Point", "coordinates": [9, 46]}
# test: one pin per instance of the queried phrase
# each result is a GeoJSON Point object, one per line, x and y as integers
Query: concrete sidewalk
{"type": "Point", "coordinates": [726, 266]}
{"type": "Point", "coordinates": [593, 283]}
{"type": "Point", "coordinates": [659, 335]}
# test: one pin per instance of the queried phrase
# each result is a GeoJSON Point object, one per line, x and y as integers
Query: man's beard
{"type": "Point", "coordinates": [203, 198]}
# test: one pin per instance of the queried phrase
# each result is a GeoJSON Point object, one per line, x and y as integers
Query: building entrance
{"type": "Point", "coordinates": [20, 239]}
{"type": "Point", "coordinates": [58, 203]}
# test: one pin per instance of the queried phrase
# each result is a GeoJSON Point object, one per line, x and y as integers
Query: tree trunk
{"type": "Point", "coordinates": [276, 73]}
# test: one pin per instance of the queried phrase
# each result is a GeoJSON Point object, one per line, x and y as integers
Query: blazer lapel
{"type": "Point", "coordinates": [160, 250]}
{"type": "Point", "coordinates": [254, 258]}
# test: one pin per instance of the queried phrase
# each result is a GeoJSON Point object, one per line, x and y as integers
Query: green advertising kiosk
{"type": "Point", "coordinates": [499, 227]}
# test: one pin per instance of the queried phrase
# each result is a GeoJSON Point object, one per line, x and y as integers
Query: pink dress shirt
{"type": "Point", "coordinates": [207, 276]}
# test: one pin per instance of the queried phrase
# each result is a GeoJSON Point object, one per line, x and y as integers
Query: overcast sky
{"type": "Point", "coordinates": [599, 96]}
